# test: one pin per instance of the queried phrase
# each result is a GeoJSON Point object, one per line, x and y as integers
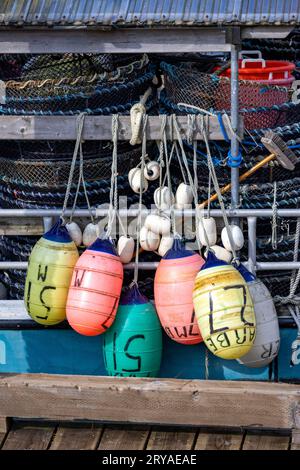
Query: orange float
{"type": "Point", "coordinates": [95, 289]}
{"type": "Point", "coordinates": [173, 293]}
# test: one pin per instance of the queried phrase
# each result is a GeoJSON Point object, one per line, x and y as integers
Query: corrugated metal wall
{"type": "Point", "coordinates": [129, 12]}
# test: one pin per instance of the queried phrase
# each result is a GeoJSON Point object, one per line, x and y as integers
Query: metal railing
{"type": "Point", "coordinates": [251, 215]}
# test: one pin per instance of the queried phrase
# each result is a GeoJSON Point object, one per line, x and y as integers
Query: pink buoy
{"type": "Point", "coordinates": [173, 293]}
{"type": "Point", "coordinates": [95, 289]}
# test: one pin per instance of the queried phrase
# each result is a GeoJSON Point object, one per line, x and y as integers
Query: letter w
{"type": "Point", "coordinates": [78, 280]}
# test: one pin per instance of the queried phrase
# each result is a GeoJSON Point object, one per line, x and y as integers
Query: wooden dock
{"type": "Point", "coordinates": [25, 435]}
{"type": "Point", "coordinates": [40, 411]}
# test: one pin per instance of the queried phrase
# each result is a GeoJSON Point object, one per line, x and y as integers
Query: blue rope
{"type": "Point", "coordinates": [222, 127]}
{"type": "Point", "coordinates": [234, 162]}
{"type": "Point", "coordinates": [99, 111]}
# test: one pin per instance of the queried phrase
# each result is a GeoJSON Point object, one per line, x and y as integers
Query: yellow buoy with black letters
{"type": "Point", "coordinates": [49, 275]}
{"type": "Point", "coordinates": [224, 309]}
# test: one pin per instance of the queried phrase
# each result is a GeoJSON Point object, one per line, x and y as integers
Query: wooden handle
{"type": "Point", "coordinates": [242, 178]}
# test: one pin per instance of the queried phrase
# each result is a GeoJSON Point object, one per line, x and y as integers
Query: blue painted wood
{"type": "Point", "coordinates": [63, 351]}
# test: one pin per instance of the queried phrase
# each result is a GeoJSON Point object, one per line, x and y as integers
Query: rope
{"type": "Point", "coordinates": [206, 364]}
{"type": "Point", "coordinates": [79, 127]}
{"type": "Point", "coordinates": [165, 143]}
{"type": "Point", "coordinates": [142, 183]}
{"type": "Point", "coordinates": [217, 187]}
{"type": "Point", "coordinates": [199, 216]}
{"type": "Point", "coordinates": [295, 279]}
{"type": "Point", "coordinates": [113, 181]}
{"type": "Point", "coordinates": [274, 218]}
{"type": "Point", "coordinates": [137, 114]}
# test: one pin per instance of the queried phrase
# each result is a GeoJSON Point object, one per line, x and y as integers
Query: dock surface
{"type": "Point", "coordinates": [25, 435]}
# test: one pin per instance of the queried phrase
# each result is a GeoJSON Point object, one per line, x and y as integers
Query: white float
{"type": "Point", "coordinates": [149, 240]}
{"type": "Point", "coordinates": [267, 340]}
{"type": "Point", "coordinates": [163, 198]}
{"type": "Point", "coordinates": [183, 196]}
{"type": "Point", "coordinates": [165, 245]}
{"type": "Point", "coordinates": [134, 178]}
{"type": "Point", "coordinates": [237, 235]}
{"type": "Point", "coordinates": [75, 233]}
{"type": "Point", "coordinates": [159, 224]}
{"type": "Point", "coordinates": [125, 248]}
{"type": "Point", "coordinates": [210, 228]}
{"type": "Point", "coordinates": [90, 234]}
{"type": "Point", "coordinates": [151, 171]}
{"type": "Point", "coordinates": [221, 253]}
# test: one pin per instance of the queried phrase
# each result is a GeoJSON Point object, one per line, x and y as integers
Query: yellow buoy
{"type": "Point", "coordinates": [49, 275]}
{"type": "Point", "coordinates": [224, 309]}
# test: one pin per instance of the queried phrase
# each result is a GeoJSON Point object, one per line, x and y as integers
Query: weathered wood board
{"type": "Point", "coordinates": [133, 40]}
{"type": "Point", "coordinates": [98, 128]}
{"type": "Point", "coordinates": [171, 440]}
{"type": "Point", "coordinates": [216, 441]}
{"type": "Point", "coordinates": [116, 438]}
{"type": "Point", "coordinates": [76, 437]}
{"type": "Point", "coordinates": [150, 401]}
{"type": "Point", "coordinates": [28, 438]}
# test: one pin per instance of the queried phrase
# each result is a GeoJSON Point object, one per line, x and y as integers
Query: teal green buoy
{"type": "Point", "coordinates": [132, 347]}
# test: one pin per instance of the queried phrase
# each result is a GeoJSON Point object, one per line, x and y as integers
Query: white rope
{"type": "Point", "coordinates": [217, 188]}
{"type": "Point", "coordinates": [164, 138]}
{"type": "Point", "coordinates": [81, 180]}
{"type": "Point", "coordinates": [196, 108]}
{"type": "Point", "coordinates": [198, 212]}
{"type": "Point", "coordinates": [209, 195]}
{"type": "Point", "coordinates": [206, 363]}
{"type": "Point", "coordinates": [180, 164]}
{"type": "Point", "coordinates": [291, 298]}
{"type": "Point", "coordinates": [142, 185]}
{"type": "Point", "coordinates": [79, 129]}
{"type": "Point", "coordinates": [274, 218]}
{"type": "Point", "coordinates": [113, 179]}
{"type": "Point", "coordinates": [137, 113]}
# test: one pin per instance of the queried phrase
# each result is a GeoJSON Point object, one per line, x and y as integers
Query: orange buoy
{"type": "Point", "coordinates": [173, 293]}
{"type": "Point", "coordinates": [95, 289]}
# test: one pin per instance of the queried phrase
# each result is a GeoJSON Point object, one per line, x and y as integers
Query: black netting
{"type": "Point", "coordinates": [262, 106]}
{"type": "Point", "coordinates": [75, 83]}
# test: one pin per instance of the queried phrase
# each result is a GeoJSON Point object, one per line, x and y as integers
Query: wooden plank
{"type": "Point", "coordinates": [76, 438]}
{"type": "Point", "coordinates": [21, 226]}
{"type": "Point", "coordinates": [26, 437]}
{"type": "Point", "coordinates": [120, 438]}
{"type": "Point", "coordinates": [5, 424]}
{"type": "Point", "coordinates": [212, 441]}
{"type": "Point", "coordinates": [2, 438]}
{"type": "Point", "coordinates": [262, 442]}
{"type": "Point", "coordinates": [30, 225]}
{"type": "Point", "coordinates": [134, 40]}
{"type": "Point", "coordinates": [171, 440]}
{"type": "Point", "coordinates": [149, 401]}
{"type": "Point", "coordinates": [97, 128]}
{"type": "Point", "coordinates": [13, 310]}
{"type": "Point", "coordinates": [266, 31]}
{"type": "Point", "coordinates": [295, 442]}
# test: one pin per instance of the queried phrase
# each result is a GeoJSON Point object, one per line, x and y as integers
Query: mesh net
{"type": "Point", "coordinates": [262, 106]}
{"type": "Point", "coordinates": [52, 171]}
{"type": "Point", "coordinates": [72, 84]}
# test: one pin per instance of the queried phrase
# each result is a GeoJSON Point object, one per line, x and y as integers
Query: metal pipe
{"type": "Point", "coordinates": [252, 244]}
{"type": "Point", "coordinates": [134, 213]}
{"type": "Point", "coordinates": [151, 265]}
{"type": "Point", "coordinates": [277, 265]}
{"type": "Point", "coordinates": [234, 84]}
{"type": "Point", "coordinates": [146, 265]}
